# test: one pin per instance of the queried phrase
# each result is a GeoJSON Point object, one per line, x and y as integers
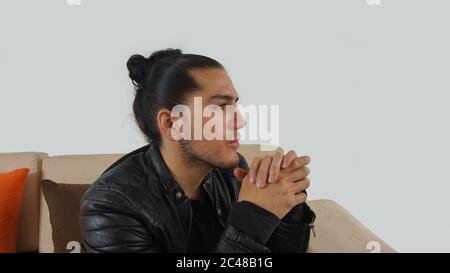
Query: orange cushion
{"type": "Point", "coordinates": [12, 185]}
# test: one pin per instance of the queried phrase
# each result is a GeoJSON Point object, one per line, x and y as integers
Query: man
{"type": "Point", "coordinates": [179, 194]}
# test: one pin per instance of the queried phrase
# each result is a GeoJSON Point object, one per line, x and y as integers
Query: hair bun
{"type": "Point", "coordinates": [137, 67]}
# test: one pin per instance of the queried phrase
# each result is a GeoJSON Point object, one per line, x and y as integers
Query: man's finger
{"type": "Point", "coordinates": [300, 198]}
{"type": "Point", "coordinates": [239, 173]}
{"type": "Point", "coordinates": [301, 186]}
{"type": "Point", "coordinates": [254, 168]}
{"type": "Point", "coordinates": [298, 174]}
{"type": "Point", "coordinates": [288, 158]}
{"type": "Point", "coordinates": [274, 170]}
{"type": "Point", "coordinates": [263, 171]}
{"type": "Point", "coordinates": [299, 162]}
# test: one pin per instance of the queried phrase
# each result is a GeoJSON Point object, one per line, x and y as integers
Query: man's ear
{"type": "Point", "coordinates": [165, 124]}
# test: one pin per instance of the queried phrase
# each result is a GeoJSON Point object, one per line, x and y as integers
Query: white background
{"type": "Point", "coordinates": [364, 90]}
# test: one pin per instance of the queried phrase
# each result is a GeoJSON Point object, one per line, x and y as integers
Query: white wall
{"type": "Point", "coordinates": [363, 89]}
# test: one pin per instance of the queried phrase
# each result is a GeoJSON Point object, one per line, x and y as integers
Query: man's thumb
{"type": "Point", "coordinates": [239, 173]}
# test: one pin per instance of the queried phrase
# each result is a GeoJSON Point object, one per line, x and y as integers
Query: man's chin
{"type": "Point", "coordinates": [232, 161]}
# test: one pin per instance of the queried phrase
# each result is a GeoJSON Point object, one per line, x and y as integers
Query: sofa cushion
{"type": "Point", "coordinates": [63, 202]}
{"type": "Point", "coordinates": [28, 239]}
{"type": "Point", "coordinates": [68, 169]}
{"type": "Point", "coordinates": [12, 185]}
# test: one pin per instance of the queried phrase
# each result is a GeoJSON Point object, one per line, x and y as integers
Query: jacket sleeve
{"type": "Point", "coordinates": [232, 239]}
{"type": "Point", "coordinates": [250, 228]}
{"type": "Point", "coordinates": [292, 234]}
{"type": "Point", "coordinates": [293, 231]}
{"type": "Point", "coordinates": [108, 223]}
{"type": "Point", "coordinates": [286, 237]}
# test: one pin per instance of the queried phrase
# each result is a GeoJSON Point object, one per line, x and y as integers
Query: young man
{"type": "Point", "coordinates": [184, 194]}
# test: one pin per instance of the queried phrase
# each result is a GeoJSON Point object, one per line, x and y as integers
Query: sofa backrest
{"type": "Point", "coordinates": [337, 230]}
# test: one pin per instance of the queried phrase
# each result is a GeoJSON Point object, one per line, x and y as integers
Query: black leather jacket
{"type": "Point", "coordinates": [136, 206]}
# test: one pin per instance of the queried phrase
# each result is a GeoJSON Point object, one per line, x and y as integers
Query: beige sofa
{"type": "Point", "coordinates": [336, 229]}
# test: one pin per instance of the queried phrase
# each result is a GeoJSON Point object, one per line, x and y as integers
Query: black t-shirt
{"type": "Point", "coordinates": [206, 228]}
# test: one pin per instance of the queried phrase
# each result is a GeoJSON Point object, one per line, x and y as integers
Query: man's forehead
{"type": "Point", "coordinates": [214, 84]}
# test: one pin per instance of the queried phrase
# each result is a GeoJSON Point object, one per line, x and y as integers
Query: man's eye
{"type": "Point", "coordinates": [223, 106]}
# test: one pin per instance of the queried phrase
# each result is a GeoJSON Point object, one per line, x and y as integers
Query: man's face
{"type": "Point", "coordinates": [218, 93]}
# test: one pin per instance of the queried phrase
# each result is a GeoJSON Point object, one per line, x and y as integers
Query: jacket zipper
{"type": "Point", "coordinates": [313, 230]}
{"type": "Point", "coordinates": [311, 225]}
{"type": "Point", "coordinates": [212, 200]}
{"type": "Point", "coordinates": [190, 221]}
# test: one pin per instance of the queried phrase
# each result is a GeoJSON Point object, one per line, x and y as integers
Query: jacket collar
{"type": "Point", "coordinates": [167, 180]}
{"type": "Point", "coordinates": [219, 195]}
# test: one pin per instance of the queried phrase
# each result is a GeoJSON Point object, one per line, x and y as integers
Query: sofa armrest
{"type": "Point", "coordinates": [338, 231]}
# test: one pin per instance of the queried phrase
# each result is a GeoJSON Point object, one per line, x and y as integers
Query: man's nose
{"type": "Point", "coordinates": [239, 120]}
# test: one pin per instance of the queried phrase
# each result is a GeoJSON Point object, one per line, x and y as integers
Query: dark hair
{"type": "Point", "coordinates": [162, 81]}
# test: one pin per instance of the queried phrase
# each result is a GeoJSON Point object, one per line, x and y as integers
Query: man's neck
{"type": "Point", "coordinates": [188, 175]}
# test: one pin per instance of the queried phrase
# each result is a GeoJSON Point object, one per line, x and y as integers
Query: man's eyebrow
{"type": "Point", "coordinates": [224, 97]}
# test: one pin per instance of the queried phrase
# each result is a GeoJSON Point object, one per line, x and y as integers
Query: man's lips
{"type": "Point", "coordinates": [234, 143]}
